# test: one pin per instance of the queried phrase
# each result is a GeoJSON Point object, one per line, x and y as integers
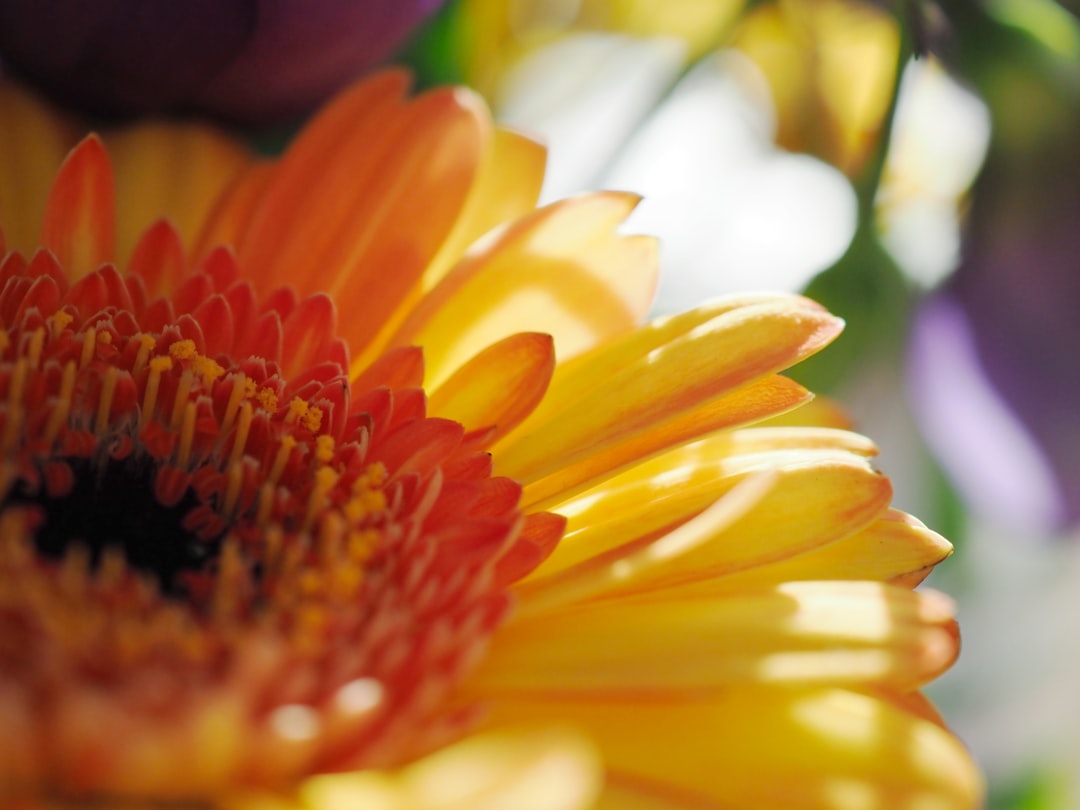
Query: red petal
{"type": "Point", "coordinates": [80, 216]}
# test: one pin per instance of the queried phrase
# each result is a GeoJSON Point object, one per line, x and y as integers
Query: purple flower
{"type": "Point", "coordinates": [996, 354]}
{"type": "Point", "coordinates": [247, 60]}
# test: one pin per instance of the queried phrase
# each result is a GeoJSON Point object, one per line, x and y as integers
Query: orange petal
{"type": "Point", "coordinates": [506, 188]}
{"type": "Point", "coordinates": [500, 386]}
{"type": "Point", "coordinates": [158, 259]}
{"type": "Point", "coordinates": [562, 270]}
{"type": "Point", "coordinates": [230, 218]}
{"type": "Point", "coordinates": [402, 367]}
{"type": "Point", "coordinates": [331, 143]}
{"type": "Point", "coordinates": [79, 226]}
{"type": "Point", "coordinates": [345, 202]}
{"type": "Point", "coordinates": [714, 359]}
{"type": "Point", "coordinates": [307, 334]}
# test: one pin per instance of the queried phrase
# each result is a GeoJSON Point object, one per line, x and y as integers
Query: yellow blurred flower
{"type": "Point", "coordinates": [352, 479]}
{"type": "Point", "coordinates": [831, 69]}
{"type": "Point", "coordinates": [495, 34]}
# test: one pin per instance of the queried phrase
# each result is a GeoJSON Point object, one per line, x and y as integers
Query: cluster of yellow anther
{"type": "Point", "coordinates": [310, 416]}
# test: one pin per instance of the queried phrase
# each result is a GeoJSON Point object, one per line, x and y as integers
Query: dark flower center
{"type": "Point", "coordinates": [112, 505]}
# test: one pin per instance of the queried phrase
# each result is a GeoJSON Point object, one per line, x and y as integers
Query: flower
{"type": "Point", "coordinates": [285, 555]}
{"type": "Point", "coordinates": [246, 61]}
{"type": "Point", "coordinates": [995, 341]}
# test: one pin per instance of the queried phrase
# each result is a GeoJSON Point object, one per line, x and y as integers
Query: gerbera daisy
{"type": "Point", "coordinates": [323, 498]}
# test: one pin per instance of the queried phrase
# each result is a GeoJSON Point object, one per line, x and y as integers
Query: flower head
{"type": "Point", "coordinates": [293, 502]}
{"type": "Point", "coordinates": [248, 61]}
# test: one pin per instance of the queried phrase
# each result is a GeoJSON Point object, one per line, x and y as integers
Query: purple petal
{"type": "Point", "coordinates": [114, 56]}
{"type": "Point", "coordinates": [303, 52]}
{"type": "Point", "coordinates": [248, 60]}
{"type": "Point", "coordinates": [984, 443]}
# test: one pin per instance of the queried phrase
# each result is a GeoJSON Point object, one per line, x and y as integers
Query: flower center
{"type": "Point", "coordinates": [111, 505]}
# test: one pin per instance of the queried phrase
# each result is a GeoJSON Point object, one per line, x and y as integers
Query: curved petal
{"type": "Point", "coordinates": [760, 747]}
{"type": "Point", "coordinates": [33, 142]}
{"type": "Point", "coordinates": [175, 171]}
{"type": "Point", "coordinates": [795, 633]}
{"type": "Point", "coordinates": [562, 270]}
{"type": "Point", "coordinates": [542, 769]}
{"type": "Point", "coordinates": [498, 387]}
{"type": "Point", "coordinates": [717, 357]}
{"type": "Point", "coordinates": [79, 225]}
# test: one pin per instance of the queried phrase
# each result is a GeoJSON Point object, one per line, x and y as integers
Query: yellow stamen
{"type": "Point", "coordinates": [62, 407]}
{"type": "Point", "coordinates": [208, 369]}
{"type": "Point", "coordinates": [297, 409]}
{"type": "Point", "coordinates": [105, 337]}
{"type": "Point", "coordinates": [331, 537]}
{"type": "Point", "coordinates": [183, 392]}
{"type": "Point", "coordinates": [146, 344]}
{"type": "Point", "coordinates": [375, 475]}
{"type": "Point", "coordinates": [324, 448]}
{"type": "Point", "coordinates": [325, 479]}
{"type": "Point", "coordinates": [13, 425]}
{"type": "Point", "coordinates": [153, 383]}
{"type": "Point", "coordinates": [268, 400]}
{"type": "Point", "coordinates": [59, 321]}
{"type": "Point", "coordinates": [281, 459]}
{"type": "Point", "coordinates": [108, 389]}
{"type": "Point", "coordinates": [5, 341]}
{"type": "Point", "coordinates": [89, 343]}
{"type": "Point", "coordinates": [183, 350]}
{"type": "Point", "coordinates": [187, 435]}
{"type": "Point", "coordinates": [234, 477]}
{"type": "Point", "coordinates": [230, 569]}
{"type": "Point", "coordinates": [266, 503]}
{"type": "Point", "coordinates": [243, 427]}
{"type": "Point", "coordinates": [361, 544]}
{"type": "Point", "coordinates": [37, 343]}
{"type": "Point", "coordinates": [313, 419]}
{"type": "Point", "coordinates": [236, 396]}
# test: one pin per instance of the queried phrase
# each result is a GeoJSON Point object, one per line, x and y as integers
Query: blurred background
{"type": "Point", "coordinates": [916, 167]}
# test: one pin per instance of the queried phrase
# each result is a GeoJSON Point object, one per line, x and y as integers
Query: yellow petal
{"type": "Point", "coordinates": [895, 548]}
{"type": "Point", "coordinates": [816, 497]}
{"type": "Point", "coordinates": [545, 769]}
{"type": "Point", "coordinates": [562, 270]}
{"type": "Point", "coordinates": [33, 142]}
{"type": "Point", "coordinates": [761, 398]}
{"type": "Point", "coordinates": [755, 748]}
{"type": "Point", "coordinates": [175, 171]}
{"type": "Point", "coordinates": [797, 633]}
{"type": "Point", "coordinates": [717, 357]}
{"type": "Point", "coordinates": [675, 485]}
{"type": "Point", "coordinates": [506, 188]}
{"type": "Point", "coordinates": [498, 387]}
{"type": "Point", "coordinates": [579, 375]}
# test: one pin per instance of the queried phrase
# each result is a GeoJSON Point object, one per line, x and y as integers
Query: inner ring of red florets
{"type": "Point", "coordinates": [215, 504]}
